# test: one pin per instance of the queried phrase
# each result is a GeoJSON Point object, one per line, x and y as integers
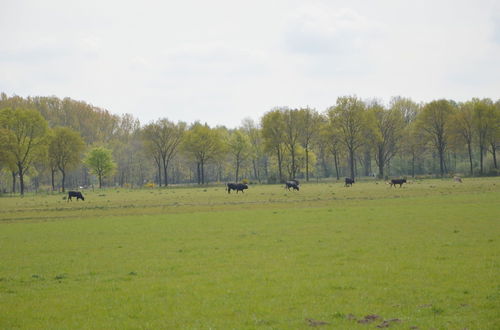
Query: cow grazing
{"type": "Point", "coordinates": [292, 184]}
{"type": "Point", "coordinates": [236, 186]}
{"type": "Point", "coordinates": [76, 194]}
{"type": "Point", "coordinates": [400, 182]}
{"type": "Point", "coordinates": [348, 182]}
{"type": "Point", "coordinates": [457, 179]}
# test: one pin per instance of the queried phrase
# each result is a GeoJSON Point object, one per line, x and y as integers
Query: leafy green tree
{"type": "Point", "coordinates": [65, 149]}
{"type": "Point", "coordinates": [273, 133]}
{"type": "Point", "coordinates": [483, 120]}
{"type": "Point", "coordinates": [127, 150]}
{"type": "Point", "coordinates": [331, 140]}
{"type": "Point", "coordinates": [408, 109]}
{"type": "Point", "coordinates": [386, 133]}
{"type": "Point", "coordinates": [292, 134]}
{"type": "Point", "coordinates": [309, 121]}
{"type": "Point", "coordinates": [494, 136]}
{"type": "Point", "coordinates": [348, 121]}
{"type": "Point", "coordinates": [25, 138]}
{"type": "Point", "coordinates": [162, 138]}
{"type": "Point", "coordinates": [433, 120]}
{"type": "Point", "coordinates": [239, 147]}
{"type": "Point", "coordinates": [462, 128]}
{"type": "Point", "coordinates": [204, 144]}
{"type": "Point", "coordinates": [257, 154]}
{"type": "Point", "coordinates": [100, 162]}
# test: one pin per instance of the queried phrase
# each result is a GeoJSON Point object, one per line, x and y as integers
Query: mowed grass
{"type": "Point", "coordinates": [426, 255]}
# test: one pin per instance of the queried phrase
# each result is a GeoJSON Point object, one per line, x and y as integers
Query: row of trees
{"type": "Point", "coordinates": [71, 139]}
{"type": "Point", "coordinates": [26, 141]}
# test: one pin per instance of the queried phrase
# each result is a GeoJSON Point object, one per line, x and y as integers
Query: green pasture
{"type": "Point", "coordinates": [423, 256]}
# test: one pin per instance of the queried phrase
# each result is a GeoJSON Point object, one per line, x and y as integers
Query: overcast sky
{"type": "Point", "coordinates": [222, 61]}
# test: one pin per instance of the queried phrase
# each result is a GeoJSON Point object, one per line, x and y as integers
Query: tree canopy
{"type": "Point", "coordinates": [42, 138]}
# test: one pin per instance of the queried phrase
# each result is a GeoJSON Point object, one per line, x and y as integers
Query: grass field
{"type": "Point", "coordinates": [423, 256]}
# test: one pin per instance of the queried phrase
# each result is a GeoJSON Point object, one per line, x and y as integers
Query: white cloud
{"type": "Point", "coordinates": [321, 29]}
{"type": "Point", "coordinates": [222, 61]}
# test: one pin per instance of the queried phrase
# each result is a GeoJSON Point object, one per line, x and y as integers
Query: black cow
{"type": "Point", "coordinates": [348, 182]}
{"type": "Point", "coordinates": [76, 194]}
{"type": "Point", "coordinates": [236, 186]}
{"type": "Point", "coordinates": [400, 182]}
{"type": "Point", "coordinates": [292, 184]}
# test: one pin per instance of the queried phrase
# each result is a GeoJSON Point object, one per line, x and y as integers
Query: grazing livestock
{"type": "Point", "coordinates": [394, 182]}
{"type": "Point", "coordinates": [236, 186]}
{"type": "Point", "coordinates": [76, 194]}
{"type": "Point", "coordinates": [457, 179]}
{"type": "Point", "coordinates": [292, 184]}
{"type": "Point", "coordinates": [348, 182]}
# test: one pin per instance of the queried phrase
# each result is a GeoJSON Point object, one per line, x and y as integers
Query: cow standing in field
{"type": "Point", "coordinates": [400, 182]}
{"type": "Point", "coordinates": [348, 182]}
{"type": "Point", "coordinates": [457, 179]}
{"type": "Point", "coordinates": [236, 186]}
{"type": "Point", "coordinates": [76, 194]}
{"type": "Point", "coordinates": [292, 184]}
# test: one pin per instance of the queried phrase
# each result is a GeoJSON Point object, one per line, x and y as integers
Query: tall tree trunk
{"type": "Point", "coordinates": [165, 175]}
{"type": "Point", "coordinates": [52, 174]}
{"type": "Point", "coordinates": [307, 164]}
{"type": "Point", "coordinates": [159, 173]}
{"type": "Point", "coordinates": [63, 179]}
{"type": "Point", "coordinates": [100, 180]}
{"type": "Point", "coordinates": [381, 163]}
{"type": "Point", "coordinates": [280, 170]}
{"type": "Point", "coordinates": [198, 173]}
{"type": "Point", "coordinates": [292, 172]}
{"type": "Point", "coordinates": [14, 174]}
{"type": "Point", "coordinates": [336, 161]}
{"type": "Point", "coordinates": [469, 149]}
{"type": "Point", "coordinates": [202, 172]}
{"type": "Point", "coordinates": [237, 169]}
{"type": "Point", "coordinates": [21, 179]}
{"type": "Point", "coordinates": [441, 161]}
{"type": "Point", "coordinates": [380, 170]}
{"type": "Point", "coordinates": [351, 163]}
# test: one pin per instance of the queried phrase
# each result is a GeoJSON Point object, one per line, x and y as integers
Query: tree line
{"type": "Point", "coordinates": [52, 143]}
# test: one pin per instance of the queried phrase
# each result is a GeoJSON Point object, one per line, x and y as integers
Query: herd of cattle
{"type": "Point", "coordinates": [291, 184]}
{"type": "Point", "coordinates": [294, 184]}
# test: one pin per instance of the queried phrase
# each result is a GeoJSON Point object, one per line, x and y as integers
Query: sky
{"type": "Point", "coordinates": [222, 61]}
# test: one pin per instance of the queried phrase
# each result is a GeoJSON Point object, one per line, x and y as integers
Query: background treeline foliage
{"type": "Point", "coordinates": [48, 143]}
